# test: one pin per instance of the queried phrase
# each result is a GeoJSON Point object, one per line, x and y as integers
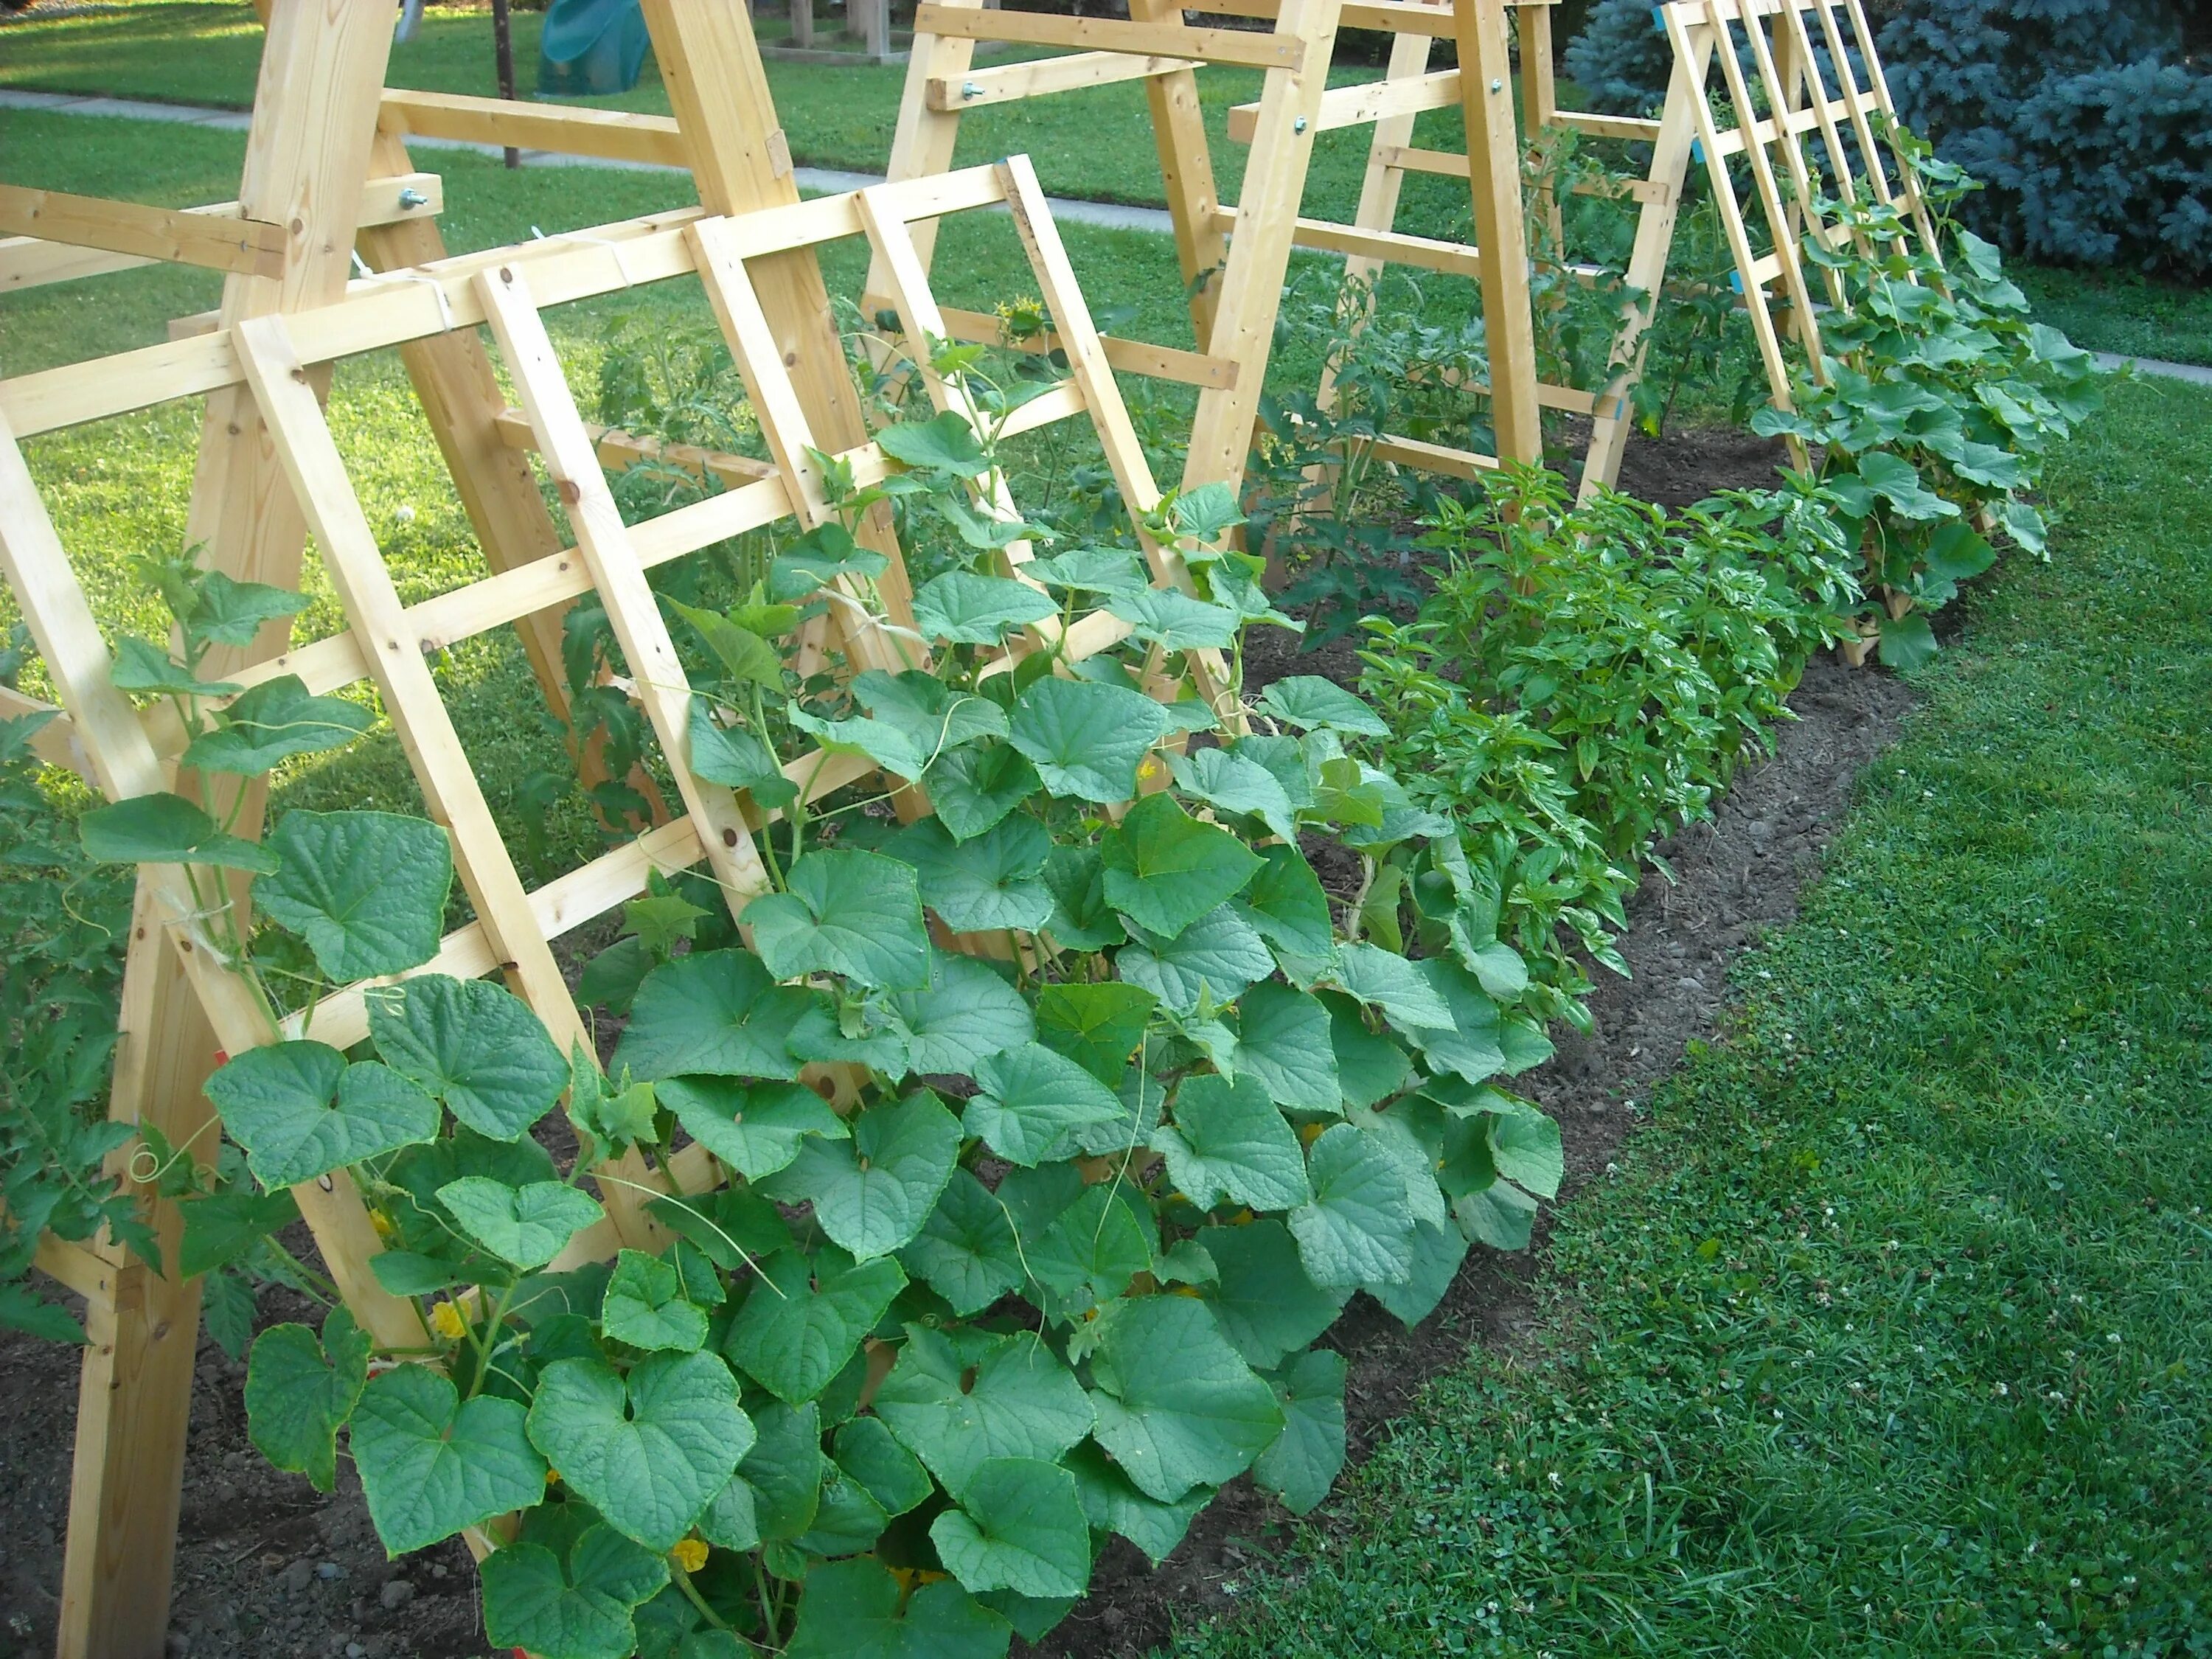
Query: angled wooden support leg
{"type": "Point", "coordinates": [322, 74]}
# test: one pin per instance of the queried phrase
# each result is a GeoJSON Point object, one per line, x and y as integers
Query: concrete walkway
{"type": "Point", "coordinates": [825, 180]}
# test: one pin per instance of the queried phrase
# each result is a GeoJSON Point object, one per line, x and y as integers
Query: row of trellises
{"type": "Point", "coordinates": [2089, 122]}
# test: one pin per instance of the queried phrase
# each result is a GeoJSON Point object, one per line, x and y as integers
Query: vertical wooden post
{"type": "Point", "coordinates": [719, 91]}
{"type": "Point", "coordinates": [802, 23]}
{"type": "Point", "coordinates": [1646, 273]}
{"type": "Point", "coordinates": [1250, 288]}
{"type": "Point", "coordinates": [1187, 176]}
{"type": "Point", "coordinates": [1493, 153]}
{"type": "Point", "coordinates": [322, 74]}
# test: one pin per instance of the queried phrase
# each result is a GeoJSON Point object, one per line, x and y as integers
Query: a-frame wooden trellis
{"type": "Point", "coordinates": [269, 469]}
{"type": "Point", "coordinates": [1234, 259]}
{"type": "Point", "coordinates": [1812, 121]}
{"type": "Point", "coordinates": [1391, 104]}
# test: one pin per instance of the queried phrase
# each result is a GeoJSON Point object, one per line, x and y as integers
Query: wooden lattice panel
{"type": "Point", "coordinates": [389, 643]}
{"type": "Point", "coordinates": [1814, 123]}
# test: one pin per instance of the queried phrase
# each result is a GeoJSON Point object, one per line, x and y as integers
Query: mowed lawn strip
{"type": "Point", "coordinates": [1892, 1333]}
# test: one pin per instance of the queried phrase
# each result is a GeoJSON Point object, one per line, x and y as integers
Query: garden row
{"type": "Point", "coordinates": [1027, 1245]}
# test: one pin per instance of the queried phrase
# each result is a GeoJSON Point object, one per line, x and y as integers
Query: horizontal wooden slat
{"type": "Point", "coordinates": [611, 135]}
{"type": "Point", "coordinates": [76, 1268]}
{"type": "Point", "coordinates": [250, 247]}
{"type": "Point", "coordinates": [1593, 126]}
{"type": "Point", "coordinates": [397, 306]}
{"type": "Point", "coordinates": [1384, 16]}
{"type": "Point", "coordinates": [1156, 363]}
{"type": "Point", "coordinates": [1458, 258]}
{"type": "Point", "coordinates": [1431, 457]}
{"type": "Point", "coordinates": [1249, 47]}
{"type": "Point", "coordinates": [619, 448]}
{"type": "Point", "coordinates": [1360, 106]}
{"type": "Point", "coordinates": [25, 262]}
{"type": "Point", "coordinates": [1008, 82]}
{"type": "Point", "coordinates": [55, 742]}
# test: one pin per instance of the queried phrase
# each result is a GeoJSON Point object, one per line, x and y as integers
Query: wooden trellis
{"type": "Point", "coordinates": [1235, 258]}
{"type": "Point", "coordinates": [323, 169]}
{"type": "Point", "coordinates": [1813, 121]}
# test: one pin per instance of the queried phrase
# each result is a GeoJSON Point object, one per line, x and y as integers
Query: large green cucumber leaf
{"type": "Point", "coordinates": [1304, 1462]}
{"type": "Point", "coordinates": [1283, 1041]}
{"type": "Point", "coordinates": [1262, 1297]}
{"type": "Point", "coordinates": [934, 715]}
{"type": "Point", "coordinates": [852, 913]}
{"type": "Point", "coordinates": [1439, 1249]}
{"type": "Point", "coordinates": [648, 1451]}
{"type": "Point", "coordinates": [301, 1111]}
{"type": "Point", "coordinates": [872, 1194]}
{"type": "Point", "coordinates": [1029, 1097]}
{"type": "Point", "coordinates": [474, 1045]}
{"type": "Point", "coordinates": [526, 1225]}
{"type": "Point", "coordinates": [756, 1128]}
{"type": "Point", "coordinates": [1081, 918]}
{"type": "Point", "coordinates": [535, 1603]}
{"type": "Point", "coordinates": [1358, 1228]}
{"type": "Point", "coordinates": [1174, 621]}
{"type": "Point", "coordinates": [1524, 1146]}
{"type": "Point", "coordinates": [716, 1013]}
{"type": "Point", "coordinates": [777, 1489]}
{"type": "Point", "coordinates": [1229, 1140]}
{"type": "Point", "coordinates": [271, 722]}
{"type": "Point", "coordinates": [962, 608]}
{"type": "Point", "coordinates": [957, 1399]}
{"type": "Point", "coordinates": [1307, 700]}
{"type": "Point", "coordinates": [966, 1251]}
{"type": "Point", "coordinates": [1499, 1215]}
{"type": "Point", "coordinates": [964, 1014]}
{"type": "Point", "coordinates": [1285, 903]}
{"type": "Point", "coordinates": [1212, 959]}
{"type": "Point", "coordinates": [850, 1610]}
{"type": "Point", "coordinates": [645, 1306]}
{"type": "Point", "coordinates": [299, 1391]}
{"type": "Point", "coordinates": [162, 828]}
{"type": "Point", "coordinates": [1370, 1067]}
{"type": "Point", "coordinates": [976, 788]}
{"type": "Point", "coordinates": [1469, 1046]}
{"type": "Point", "coordinates": [1164, 869]}
{"type": "Point", "coordinates": [1231, 782]}
{"type": "Point", "coordinates": [1090, 1249]}
{"type": "Point", "coordinates": [1383, 979]}
{"type": "Point", "coordinates": [1020, 1527]}
{"type": "Point", "coordinates": [1098, 1026]}
{"type": "Point", "coordinates": [366, 891]}
{"type": "Point", "coordinates": [870, 1453]}
{"type": "Point", "coordinates": [1176, 1407]}
{"type": "Point", "coordinates": [805, 1317]}
{"type": "Point", "coordinates": [1085, 739]}
{"type": "Point", "coordinates": [431, 1464]}
{"type": "Point", "coordinates": [1114, 1504]}
{"type": "Point", "coordinates": [991, 880]}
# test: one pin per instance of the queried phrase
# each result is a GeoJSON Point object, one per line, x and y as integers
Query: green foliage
{"type": "Point", "coordinates": [1891, 1332]}
{"type": "Point", "coordinates": [1939, 401]}
{"type": "Point", "coordinates": [1584, 681]}
{"type": "Point", "coordinates": [933, 1328]}
{"type": "Point", "coordinates": [62, 919]}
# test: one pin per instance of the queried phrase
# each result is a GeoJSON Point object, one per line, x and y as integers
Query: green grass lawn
{"type": "Point", "coordinates": [1893, 1333]}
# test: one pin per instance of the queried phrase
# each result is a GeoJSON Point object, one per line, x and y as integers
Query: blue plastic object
{"type": "Point", "coordinates": [590, 47]}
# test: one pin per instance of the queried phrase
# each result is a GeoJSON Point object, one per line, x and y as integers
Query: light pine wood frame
{"type": "Point", "coordinates": [275, 362]}
{"type": "Point", "coordinates": [1787, 101]}
{"type": "Point", "coordinates": [1233, 260]}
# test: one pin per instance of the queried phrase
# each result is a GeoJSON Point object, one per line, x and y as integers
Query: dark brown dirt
{"type": "Point", "coordinates": [269, 1569]}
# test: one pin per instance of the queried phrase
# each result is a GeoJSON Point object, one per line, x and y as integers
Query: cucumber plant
{"type": "Point", "coordinates": [1009, 1252]}
{"type": "Point", "coordinates": [1941, 397]}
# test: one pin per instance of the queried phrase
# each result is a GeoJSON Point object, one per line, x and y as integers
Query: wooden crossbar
{"type": "Point", "coordinates": [28, 261]}
{"type": "Point", "coordinates": [1008, 82]}
{"type": "Point", "coordinates": [1142, 39]}
{"type": "Point", "coordinates": [609, 135]}
{"type": "Point", "coordinates": [253, 247]}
